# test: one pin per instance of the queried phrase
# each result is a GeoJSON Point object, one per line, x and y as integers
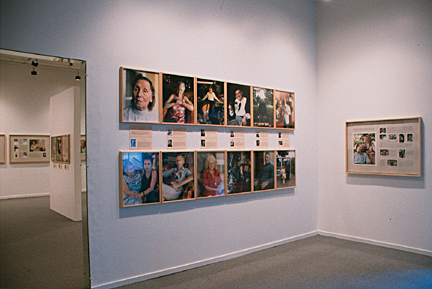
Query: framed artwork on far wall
{"type": "Point", "coordinates": [2, 149]}
{"type": "Point", "coordinates": [210, 174]}
{"type": "Point", "coordinates": [139, 178]}
{"type": "Point", "coordinates": [178, 176]}
{"type": "Point", "coordinates": [263, 107]}
{"type": "Point", "coordinates": [285, 169]}
{"type": "Point", "coordinates": [60, 152]}
{"type": "Point", "coordinates": [29, 148]}
{"type": "Point", "coordinates": [139, 96]}
{"type": "Point", "coordinates": [384, 147]}
{"type": "Point", "coordinates": [284, 109]}
{"type": "Point", "coordinates": [178, 99]}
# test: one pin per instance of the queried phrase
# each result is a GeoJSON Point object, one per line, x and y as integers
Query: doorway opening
{"type": "Point", "coordinates": [43, 204]}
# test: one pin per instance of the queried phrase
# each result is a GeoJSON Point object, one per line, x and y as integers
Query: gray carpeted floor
{"type": "Point", "coordinates": [38, 247]}
{"type": "Point", "coordinates": [315, 262]}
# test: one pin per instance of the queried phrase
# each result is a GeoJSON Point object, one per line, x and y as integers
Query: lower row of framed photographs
{"type": "Point", "coordinates": [153, 177]}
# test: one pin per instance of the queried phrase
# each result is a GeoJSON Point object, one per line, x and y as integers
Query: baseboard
{"type": "Point", "coordinates": [184, 267]}
{"type": "Point", "coordinates": [24, 196]}
{"type": "Point", "coordinates": [376, 243]}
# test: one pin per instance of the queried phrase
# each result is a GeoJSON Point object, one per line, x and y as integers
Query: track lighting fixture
{"type": "Point", "coordinates": [77, 77]}
{"type": "Point", "coordinates": [34, 64]}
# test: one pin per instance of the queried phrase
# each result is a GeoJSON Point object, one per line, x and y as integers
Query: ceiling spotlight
{"type": "Point", "coordinates": [35, 63]}
{"type": "Point", "coordinates": [77, 77]}
{"type": "Point", "coordinates": [33, 72]}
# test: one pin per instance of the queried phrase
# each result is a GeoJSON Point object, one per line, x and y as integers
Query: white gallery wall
{"type": "Point", "coordinates": [374, 62]}
{"type": "Point", "coordinates": [25, 109]}
{"type": "Point", "coordinates": [264, 43]}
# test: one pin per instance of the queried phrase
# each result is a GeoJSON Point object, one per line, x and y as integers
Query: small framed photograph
{"type": "Point", "coordinates": [264, 170]}
{"type": "Point", "coordinates": [285, 170]}
{"type": "Point", "coordinates": [210, 102]}
{"type": "Point", "coordinates": [238, 104]}
{"type": "Point", "coordinates": [139, 178]}
{"type": "Point", "coordinates": [178, 176]}
{"type": "Point", "coordinates": [284, 109]}
{"type": "Point", "coordinates": [29, 148]}
{"type": "Point", "coordinates": [178, 99]}
{"type": "Point", "coordinates": [83, 147]}
{"type": "Point", "coordinates": [2, 149]}
{"type": "Point", "coordinates": [239, 172]}
{"type": "Point", "coordinates": [60, 149]}
{"type": "Point", "coordinates": [139, 96]}
{"type": "Point", "coordinates": [263, 107]}
{"type": "Point", "coordinates": [210, 174]}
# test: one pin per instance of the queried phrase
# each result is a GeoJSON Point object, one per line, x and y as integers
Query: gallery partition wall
{"type": "Point", "coordinates": [43, 134]}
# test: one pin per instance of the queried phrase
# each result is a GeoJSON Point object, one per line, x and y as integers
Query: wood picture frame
{"type": "Point", "coordinates": [239, 172]}
{"type": "Point", "coordinates": [60, 152]}
{"type": "Point", "coordinates": [384, 147]}
{"type": "Point", "coordinates": [264, 176]}
{"type": "Point", "coordinates": [210, 102]}
{"type": "Point", "coordinates": [29, 148]}
{"type": "Point", "coordinates": [3, 142]}
{"type": "Point", "coordinates": [210, 173]}
{"type": "Point", "coordinates": [139, 96]}
{"type": "Point", "coordinates": [284, 109]}
{"type": "Point", "coordinates": [83, 147]}
{"type": "Point", "coordinates": [178, 176]}
{"type": "Point", "coordinates": [178, 99]}
{"type": "Point", "coordinates": [139, 178]}
{"type": "Point", "coordinates": [239, 105]}
{"type": "Point", "coordinates": [285, 169]}
{"type": "Point", "coordinates": [263, 107]}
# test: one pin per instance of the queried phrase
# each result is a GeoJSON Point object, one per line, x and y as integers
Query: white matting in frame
{"type": "Point", "coordinates": [384, 147]}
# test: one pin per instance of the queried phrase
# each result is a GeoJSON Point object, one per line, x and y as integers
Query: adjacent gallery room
{"type": "Point", "coordinates": [286, 144]}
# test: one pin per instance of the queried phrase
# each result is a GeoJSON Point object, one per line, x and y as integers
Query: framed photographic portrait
{"type": "Point", "coordinates": [29, 148]}
{"type": "Point", "coordinates": [2, 149]}
{"type": "Point", "coordinates": [264, 170]}
{"type": "Point", "coordinates": [83, 147]}
{"type": "Point", "coordinates": [263, 107]}
{"type": "Point", "coordinates": [139, 178]}
{"type": "Point", "coordinates": [384, 147]}
{"type": "Point", "coordinates": [210, 174]}
{"type": "Point", "coordinates": [239, 172]}
{"type": "Point", "coordinates": [139, 96]}
{"type": "Point", "coordinates": [238, 104]}
{"type": "Point", "coordinates": [210, 102]}
{"type": "Point", "coordinates": [178, 176]}
{"type": "Point", "coordinates": [178, 99]}
{"type": "Point", "coordinates": [60, 152]}
{"type": "Point", "coordinates": [284, 109]}
{"type": "Point", "coordinates": [285, 169]}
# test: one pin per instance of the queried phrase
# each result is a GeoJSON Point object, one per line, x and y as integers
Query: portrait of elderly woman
{"type": "Point", "coordinates": [211, 176]}
{"type": "Point", "coordinates": [139, 96]}
{"type": "Point", "coordinates": [178, 97]}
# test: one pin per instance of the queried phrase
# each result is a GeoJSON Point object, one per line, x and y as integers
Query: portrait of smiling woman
{"type": "Point", "coordinates": [139, 96]}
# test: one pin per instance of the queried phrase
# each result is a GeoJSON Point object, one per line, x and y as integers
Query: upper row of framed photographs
{"type": "Point", "coordinates": [156, 97]}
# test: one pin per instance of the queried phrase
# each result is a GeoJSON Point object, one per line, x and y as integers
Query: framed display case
{"type": "Point", "coordinates": [284, 109]}
{"type": "Point", "coordinates": [139, 96]}
{"type": "Point", "coordinates": [285, 169]}
{"type": "Point", "coordinates": [263, 107]}
{"type": "Point", "coordinates": [210, 174]}
{"type": "Point", "coordinates": [2, 149]}
{"type": "Point", "coordinates": [29, 148]}
{"type": "Point", "coordinates": [178, 179]}
{"type": "Point", "coordinates": [60, 152]}
{"type": "Point", "coordinates": [178, 99]}
{"type": "Point", "coordinates": [384, 147]}
{"type": "Point", "coordinates": [139, 178]}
